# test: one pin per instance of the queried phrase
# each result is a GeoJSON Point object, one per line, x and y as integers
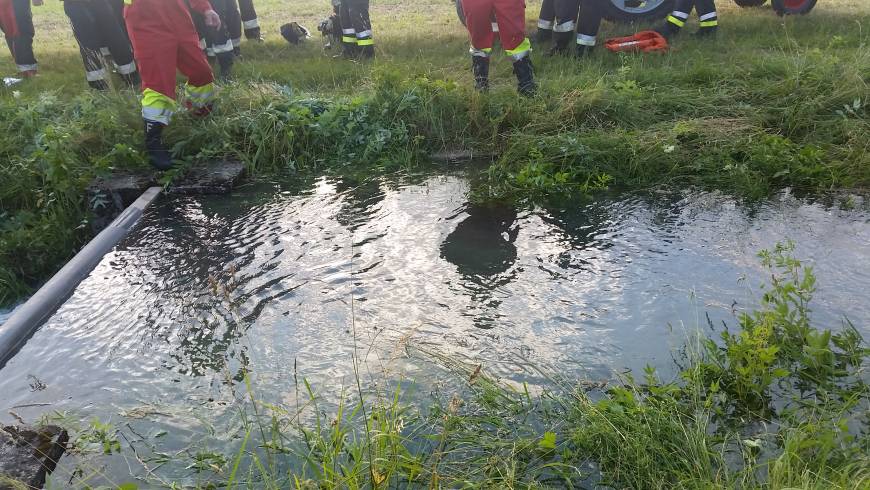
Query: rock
{"type": "Point", "coordinates": [217, 177]}
{"type": "Point", "coordinates": [109, 196]}
{"type": "Point", "coordinates": [28, 455]}
{"type": "Point", "coordinates": [459, 156]}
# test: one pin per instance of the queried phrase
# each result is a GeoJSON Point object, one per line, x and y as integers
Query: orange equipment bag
{"type": "Point", "coordinates": [646, 41]}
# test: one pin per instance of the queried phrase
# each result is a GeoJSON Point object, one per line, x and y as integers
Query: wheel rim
{"type": "Point", "coordinates": [794, 4]}
{"type": "Point", "coordinates": [637, 6]}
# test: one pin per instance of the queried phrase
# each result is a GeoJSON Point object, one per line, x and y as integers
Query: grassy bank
{"type": "Point", "coordinates": [772, 103]}
{"type": "Point", "coordinates": [773, 401]}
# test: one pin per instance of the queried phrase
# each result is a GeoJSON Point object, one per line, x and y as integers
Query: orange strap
{"type": "Point", "coordinates": [644, 41]}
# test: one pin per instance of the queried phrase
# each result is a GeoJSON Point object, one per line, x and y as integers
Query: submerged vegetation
{"type": "Point", "coordinates": [771, 104]}
{"type": "Point", "coordinates": [774, 402]}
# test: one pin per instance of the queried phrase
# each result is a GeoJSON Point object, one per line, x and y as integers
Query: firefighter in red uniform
{"type": "Point", "coordinates": [16, 21]}
{"type": "Point", "coordinates": [164, 39]}
{"type": "Point", "coordinates": [511, 18]}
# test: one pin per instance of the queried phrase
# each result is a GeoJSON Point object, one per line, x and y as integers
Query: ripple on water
{"type": "Point", "coordinates": [278, 283]}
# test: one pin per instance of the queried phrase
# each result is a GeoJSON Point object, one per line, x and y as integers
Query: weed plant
{"type": "Point", "coordinates": [775, 402]}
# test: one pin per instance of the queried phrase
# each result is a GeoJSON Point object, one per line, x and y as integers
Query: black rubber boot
{"type": "Point", "coordinates": [132, 80]}
{"type": "Point", "coordinates": [525, 73]}
{"type": "Point", "coordinates": [158, 155]}
{"type": "Point", "coordinates": [480, 69]}
{"type": "Point", "coordinates": [561, 43]}
{"type": "Point", "coordinates": [225, 61]}
{"type": "Point", "coordinates": [668, 30]}
{"type": "Point", "coordinates": [100, 85]}
{"type": "Point", "coordinates": [349, 51]}
{"type": "Point", "coordinates": [583, 51]}
{"type": "Point", "coordinates": [253, 34]}
{"type": "Point", "coordinates": [543, 36]}
{"type": "Point", "coordinates": [707, 32]}
{"type": "Point", "coordinates": [366, 52]}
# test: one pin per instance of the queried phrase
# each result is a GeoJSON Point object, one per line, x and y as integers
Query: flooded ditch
{"type": "Point", "coordinates": [286, 280]}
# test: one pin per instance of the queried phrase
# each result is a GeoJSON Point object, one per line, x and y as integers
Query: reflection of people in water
{"type": "Point", "coordinates": [361, 199]}
{"type": "Point", "coordinates": [482, 248]}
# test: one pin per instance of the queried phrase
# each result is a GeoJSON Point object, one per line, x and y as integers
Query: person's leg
{"type": "Point", "coordinates": [677, 19]}
{"type": "Point", "coordinates": [511, 15]}
{"type": "Point", "coordinates": [87, 34]}
{"type": "Point", "coordinates": [546, 20]}
{"type": "Point", "coordinates": [707, 17]}
{"type": "Point", "coordinates": [219, 41]}
{"type": "Point", "coordinates": [114, 36]}
{"type": "Point", "coordinates": [200, 89]}
{"type": "Point", "coordinates": [234, 26]}
{"type": "Point", "coordinates": [566, 23]}
{"type": "Point", "coordinates": [249, 19]}
{"type": "Point", "coordinates": [156, 58]}
{"type": "Point", "coordinates": [478, 22]}
{"type": "Point", "coordinates": [22, 43]}
{"type": "Point", "coordinates": [591, 14]}
{"type": "Point", "coordinates": [348, 33]}
{"type": "Point", "coordinates": [362, 25]}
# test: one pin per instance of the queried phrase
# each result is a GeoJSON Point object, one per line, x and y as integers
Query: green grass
{"type": "Point", "coordinates": [777, 403]}
{"type": "Point", "coordinates": [773, 103]}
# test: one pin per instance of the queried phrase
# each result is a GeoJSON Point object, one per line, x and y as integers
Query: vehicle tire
{"type": "Point", "coordinates": [627, 11]}
{"type": "Point", "coordinates": [792, 7]}
{"type": "Point", "coordinates": [459, 12]}
{"type": "Point", "coordinates": [750, 3]}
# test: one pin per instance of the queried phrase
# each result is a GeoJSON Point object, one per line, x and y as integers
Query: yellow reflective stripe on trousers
{"type": "Point", "coordinates": [520, 51]}
{"type": "Point", "coordinates": [365, 42]}
{"type": "Point", "coordinates": [675, 21]}
{"type": "Point", "coordinates": [709, 23]}
{"type": "Point", "coordinates": [156, 106]}
{"type": "Point", "coordinates": [348, 39]}
{"type": "Point", "coordinates": [199, 96]}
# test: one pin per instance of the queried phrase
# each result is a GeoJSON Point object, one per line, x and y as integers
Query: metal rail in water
{"type": "Point", "coordinates": [31, 315]}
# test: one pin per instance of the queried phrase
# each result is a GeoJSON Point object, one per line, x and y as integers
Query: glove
{"type": "Point", "coordinates": [212, 19]}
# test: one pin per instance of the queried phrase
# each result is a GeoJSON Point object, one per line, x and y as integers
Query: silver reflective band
{"type": "Point", "coordinates": [545, 24]}
{"type": "Point", "coordinates": [105, 51]}
{"type": "Point", "coordinates": [707, 16]}
{"type": "Point", "coordinates": [364, 34]}
{"type": "Point", "coordinates": [202, 43]}
{"type": "Point", "coordinates": [26, 67]}
{"type": "Point", "coordinates": [478, 52]}
{"type": "Point", "coordinates": [157, 115]}
{"type": "Point", "coordinates": [209, 52]}
{"type": "Point", "coordinates": [250, 24]}
{"type": "Point", "coordinates": [223, 48]}
{"type": "Point", "coordinates": [348, 31]}
{"type": "Point", "coordinates": [585, 40]}
{"type": "Point", "coordinates": [93, 76]}
{"type": "Point", "coordinates": [495, 27]}
{"type": "Point", "coordinates": [681, 15]}
{"type": "Point", "coordinates": [126, 69]}
{"type": "Point", "coordinates": [566, 27]}
{"type": "Point", "coordinates": [519, 56]}
{"type": "Point", "coordinates": [237, 42]}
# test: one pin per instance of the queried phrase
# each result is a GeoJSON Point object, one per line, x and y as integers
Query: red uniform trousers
{"type": "Point", "coordinates": [510, 15]}
{"type": "Point", "coordinates": [164, 39]}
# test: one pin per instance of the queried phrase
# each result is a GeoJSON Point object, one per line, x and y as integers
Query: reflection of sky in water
{"type": "Point", "coordinates": [265, 279]}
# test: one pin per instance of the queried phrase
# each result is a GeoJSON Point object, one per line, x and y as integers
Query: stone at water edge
{"type": "Point", "coordinates": [459, 156]}
{"type": "Point", "coordinates": [28, 454]}
{"type": "Point", "coordinates": [217, 177]}
{"type": "Point", "coordinates": [109, 196]}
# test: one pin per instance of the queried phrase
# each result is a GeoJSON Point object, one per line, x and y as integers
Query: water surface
{"type": "Point", "coordinates": [286, 280]}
